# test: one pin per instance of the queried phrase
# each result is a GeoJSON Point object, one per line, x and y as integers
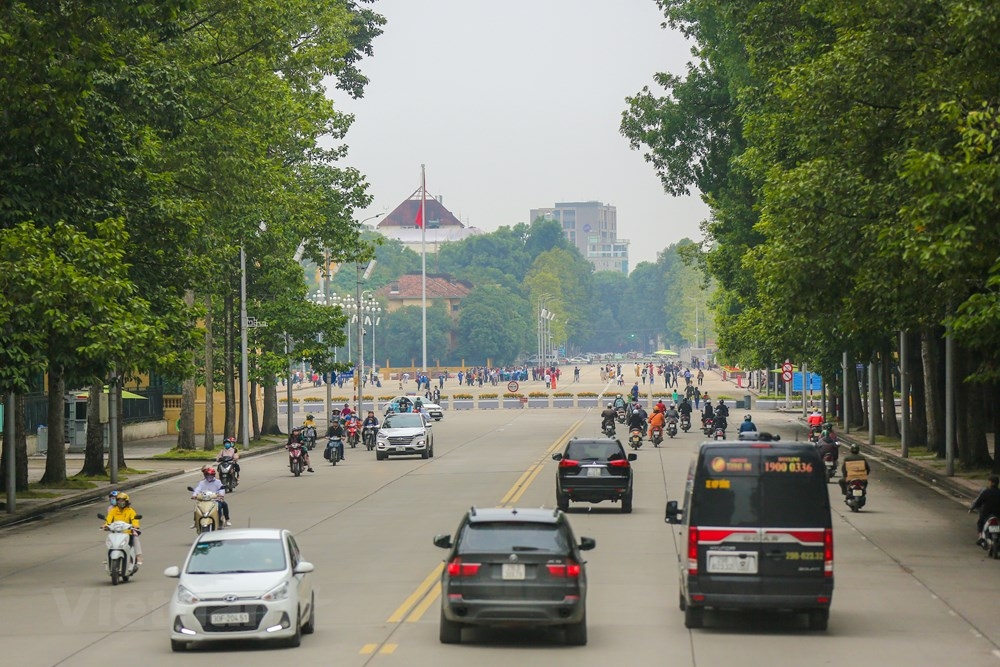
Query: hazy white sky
{"type": "Point", "coordinates": [516, 105]}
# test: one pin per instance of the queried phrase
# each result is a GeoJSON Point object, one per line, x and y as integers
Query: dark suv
{"type": "Point", "coordinates": [514, 567]}
{"type": "Point", "coordinates": [594, 469]}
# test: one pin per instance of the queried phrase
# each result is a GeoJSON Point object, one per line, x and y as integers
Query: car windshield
{"type": "Point", "coordinates": [594, 451]}
{"type": "Point", "coordinates": [505, 536]}
{"type": "Point", "coordinates": [405, 420]}
{"type": "Point", "coordinates": [233, 556]}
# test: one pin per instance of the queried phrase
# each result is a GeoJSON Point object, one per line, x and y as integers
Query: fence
{"type": "Point", "coordinates": [134, 410]}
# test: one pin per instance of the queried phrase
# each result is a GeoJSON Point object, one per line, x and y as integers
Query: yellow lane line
{"type": "Point", "coordinates": [419, 610]}
{"type": "Point", "coordinates": [400, 613]}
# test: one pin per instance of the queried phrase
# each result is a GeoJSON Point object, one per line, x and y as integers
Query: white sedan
{"type": "Point", "coordinates": [405, 404]}
{"type": "Point", "coordinates": [237, 584]}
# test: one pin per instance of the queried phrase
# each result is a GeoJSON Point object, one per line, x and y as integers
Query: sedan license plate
{"type": "Point", "coordinates": [593, 472]}
{"type": "Point", "coordinates": [229, 619]}
{"type": "Point", "coordinates": [739, 562]}
{"type": "Point", "coordinates": [512, 571]}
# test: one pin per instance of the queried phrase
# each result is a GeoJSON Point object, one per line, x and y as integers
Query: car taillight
{"type": "Point", "coordinates": [828, 552]}
{"type": "Point", "coordinates": [693, 551]}
{"type": "Point", "coordinates": [570, 569]}
{"type": "Point", "coordinates": [456, 568]}
{"type": "Point", "coordinates": [618, 463]}
{"type": "Point", "coordinates": [569, 463]}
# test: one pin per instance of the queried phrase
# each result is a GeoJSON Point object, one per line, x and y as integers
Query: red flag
{"type": "Point", "coordinates": [419, 222]}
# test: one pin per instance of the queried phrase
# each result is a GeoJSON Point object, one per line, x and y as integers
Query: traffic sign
{"type": "Point", "coordinates": [512, 386]}
{"type": "Point", "coordinates": [786, 376]}
{"type": "Point", "coordinates": [787, 367]}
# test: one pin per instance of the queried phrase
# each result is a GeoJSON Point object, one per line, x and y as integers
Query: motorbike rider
{"type": "Point", "coordinates": [685, 408]}
{"type": "Point", "coordinates": [855, 466]}
{"type": "Point", "coordinates": [672, 414]}
{"type": "Point", "coordinates": [296, 437]}
{"type": "Point", "coordinates": [637, 420]}
{"type": "Point", "coordinates": [122, 511]}
{"type": "Point", "coordinates": [619, 402]}
{"type": "Point", "coordinates": [656, 420]}
{"type": "Point", "coordinates": [721, 415]}
{"type": "Point", "coordinates": [608, 417]}
{"type": "Point", "coordinates": [229, 451]}
{"type": "Point", "coordinates": [988, 504]}
{"type": "Point", "coordinates": [747, 425]}
{"type": "Point", "coordinates": [661, 405]}
{"type": "Point", "coordinates": [815, 420]}
{"type": "Point", "coordinates": [828, 445]}
{"type": "Point", "coordinates": [210, 484]}
{"type": "Point", "coordinates": [309, 422]}
{"type": "Point", "coordinates": [336, 430]}
{"type": "Point", "coordinates": [707, 412]}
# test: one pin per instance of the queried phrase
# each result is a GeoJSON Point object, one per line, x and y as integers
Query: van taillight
{"type": "Point", "coordinates": [828, 552]}
{"type": "Point", "coordinates": [456, 568]}
{"type": "Point", "coordinates": [692, 551]}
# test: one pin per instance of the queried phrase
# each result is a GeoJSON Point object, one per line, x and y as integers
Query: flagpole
{"type": "Point", "coordinates": [423, 264]}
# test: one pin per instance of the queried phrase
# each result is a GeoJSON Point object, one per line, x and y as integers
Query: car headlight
{"type": "Point", "coordinates": [276, 593]}
{"type": "Point", "coordinates": [420, 442]}
{"type": "Point", "coordinates": [184, 596]}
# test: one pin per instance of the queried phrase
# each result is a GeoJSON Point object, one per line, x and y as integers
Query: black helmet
{"type": "Point", "coordinates": [746, 418]}
{"type": "Point", "coordinates": [855, 449]}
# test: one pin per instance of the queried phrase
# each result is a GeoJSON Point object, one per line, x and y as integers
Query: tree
{"type": "Point", "coordinates": [493, 324]}
{"type": "Point", "coordinates": [403, 338]}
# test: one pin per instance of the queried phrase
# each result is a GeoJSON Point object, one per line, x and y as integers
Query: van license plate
{"type": "Point", "coordinates": [226, 619]}
{"type": "Point", "coordinates": [512, 571]}
{"type": "Point", "coordinates": [593, 472]}
{"type": "Point", "coordinates": [737, 562]}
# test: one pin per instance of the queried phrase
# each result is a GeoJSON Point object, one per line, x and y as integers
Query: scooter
{"type": "Point", "coordinates": [656, 436]}
{"type": "Point", "coordinates": [856, 494]}
{"type": "Point", "coordinates": [609, 429]}
{"type": "Point", "coordinates": [685, 423]}
{"type": "Point", "coordinates": [991, 536]}
{"type": "Point", "coordinates": [120, 563]}
{"type": "Point", "coordinates": [352, 433]}
{"type": "Point", "coordinates": [620, 415]}
{"type": "Point", "coordinates": [814, 433]}
{"type": "Point", "coordinates": [672, 428]}
{"type": "Point", "coordinates": [368, 436]}
{"type": "Point", "coordinates": [227, 474]}
{"type": "Point", "coordinates": [831, 466]}
{"type": "Point", "coordinates": [635, 438]}
{"type": "Point", "coordinates": [719, 429]}
{"type": "Point", "coordinates": [332, 451]}
{"type": "Point", "coordinates": [709, 426]}
{"type": "Point", "coordinates": [206, 512]}
{"type": "Point", "coordinates": [309, 437]}
{"type": "Point", "coordinates": [295, 462]}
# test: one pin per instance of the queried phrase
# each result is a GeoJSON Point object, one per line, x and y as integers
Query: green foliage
{"type": "Point", "coordinates": [494, 324]}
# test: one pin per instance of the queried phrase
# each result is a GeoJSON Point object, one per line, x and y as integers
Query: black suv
{"type": "Point", "coordinates": [514, 567]}
{"type": "Point", "coordinates": [594, 469]}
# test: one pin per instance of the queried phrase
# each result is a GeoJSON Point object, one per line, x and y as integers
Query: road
{"type": "Point", "coordinates": [910, 586]}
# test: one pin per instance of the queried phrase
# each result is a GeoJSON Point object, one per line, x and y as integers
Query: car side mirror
{"type": "Point", "coordinates": [673, 513]}
{"type": "Point", "coordinates": [443, 541]}
{"type": "Point", "coordinates": [304, 567]}
{"type": "Point", "coordinates": [587, 543]}
{"type": "Point", "coordinates": [173, 571]}
{"type": "Point", "coordinates": [633, 456]}
{"type": "Point", "coordinates": [557, 457]}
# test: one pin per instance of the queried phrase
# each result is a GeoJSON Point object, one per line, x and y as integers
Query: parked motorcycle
{"type": "Point", "coordinates": [295, 461]}
{"type": "Point", "coordinates": [120, 562]}
{"type": "Point", "coordinates": [309, 437]}
{"type": "Point", "coordinates": [685, 423]}
{"type": "Point", "coordinates": [672, 428]}
{"type": "Point", "coordinates": [635, 438]}
{"type": "Point", "coordinates": [609, 429]}
{"type": "Point", "coordinates": [227, 474]}
{"type": "Point", "coordinates": [352, 433]}
{"type": "Point", "coordinates": [368, 436]}
{"type": "Point", "coordinates": [332, 451]}
{"type": "Point", "coordinates": [991, 536]}
{"type": "Point", "coordinates": [206, 512]}
{"type": "Point", "coordinates": [856, 494]}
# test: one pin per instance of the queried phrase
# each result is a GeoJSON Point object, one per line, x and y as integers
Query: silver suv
{"type": "Point", "coordinates": [404, 434]}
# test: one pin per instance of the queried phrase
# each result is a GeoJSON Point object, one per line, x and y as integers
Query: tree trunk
{"type": "Point", "coordinates": [857, 408]}
{"type": "Point", "coordinates": [55, 459]}
{"type": "Point", "coordinates": [185, 435]}
{"type": "Point", "coordinates": [890, 427]}
{"type": "Point", "coordinates": [229, 385]}
{"type": "Point", "coordinates": [874, 393]}
{"type": "Point", "coordinates": [254, 415]}
{"type": "Point", "coordinates": [209, 442]}
{"type": "Point", "coordinates": [269, 423]}
{"type": "Point", "coordinates": [970, 414]}
{"type": "Point", "coordinates": [20, 445]}
{"type": "Point", "coordinates": [120, 427]}
{"type": "Point", "coordinates": [93, 456]}
{"type": "Point", "coordinates": [918, 407]}
{"type": "Point", "coordinates": [933, 392]}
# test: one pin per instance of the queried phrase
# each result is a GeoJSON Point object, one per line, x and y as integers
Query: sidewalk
{"type": "Point", "coordinates": [138, 455]}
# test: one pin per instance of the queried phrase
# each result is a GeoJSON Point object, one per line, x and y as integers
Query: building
{"type": "Point", "coordinates": [442, 225]}
{"type": "Point", "coordinates": [592, 227]}
{"type": "Point", "coordinates": [407, 290]}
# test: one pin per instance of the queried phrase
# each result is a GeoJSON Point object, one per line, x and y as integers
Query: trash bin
{"type": "Point", "coordinates": [42, 440]}
{"type": "Point", "coordinates": [746, 401]}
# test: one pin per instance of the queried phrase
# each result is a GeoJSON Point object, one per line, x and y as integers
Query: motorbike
{"type": "Point", "coordinates": [609, 429]}
{"type": "Point", "coordinates": [620, 415]}
{"type": "Point", "coordinates": [672, 427]}
{"type": "Point", "coordinates": [856, 494]}
{"type": "Point", "coordinates": [227, 474]}
{"type": "Point", "coordinates": [309, 437]}
{"type": "Point", "coordinates": [719, 428]}
{"type": "Point", "coordinates": [656, 436]}
{"type": "Point", "coordinates": [332, 451]}
{"type": "Point", "coordinates": [709, 427]}
{"type": "Point", "coordinates": [120, 562]}
{"type": "Point", "coordinates": [206, 512]}
{"type": "Point", "coordinates": [991, 536]}
{"type": "Point", "coordinates": [831, 466]}
{"type": "Point", "coordinates": [814, 433]}
{"type": "Point", "coordinates": [352, 433]}
{"type": "Point", "coordinates": [295, 461]}
{"type": "Point", "coordinates": [368, 436]}
{"type": "Point", "coordinates": [685, 423]}
{"type": "Point", "coordinates": [635, 438]}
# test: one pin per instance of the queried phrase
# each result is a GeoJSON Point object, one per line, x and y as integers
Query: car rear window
{"type": "Point", "coordinates": [778, 488]}
{"type": "Point", "coordinates": [594, 451]}
{"type": "Point", "coordinates": [512, 536]}
{"type": "Point", "coordinates": [407, 420]}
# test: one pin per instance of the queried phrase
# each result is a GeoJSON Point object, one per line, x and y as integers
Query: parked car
{"type": "Point", "coordinates": [514, 567]}
{"type": "Point", "coordinates": [405, 404]}
{"type": "Point", "coordinates": [402, 434]}
{"type": "Point", "coordinates": [242, 584]}
{"type": "Point", "coordinates": [592, 470]}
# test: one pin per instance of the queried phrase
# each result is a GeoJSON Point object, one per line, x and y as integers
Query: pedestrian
{"type": "Point", "coordinates": [697, 398]}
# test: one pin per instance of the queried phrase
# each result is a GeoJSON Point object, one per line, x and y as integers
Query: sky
{"type": "Point", "coordinates": [516, 105]}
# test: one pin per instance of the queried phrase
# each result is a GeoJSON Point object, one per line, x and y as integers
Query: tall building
{"type": "Point", "coordinates": [592, 227]}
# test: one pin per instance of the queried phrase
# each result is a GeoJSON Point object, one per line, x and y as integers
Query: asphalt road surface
{"type": "Point", "coordinates": [911, 588]}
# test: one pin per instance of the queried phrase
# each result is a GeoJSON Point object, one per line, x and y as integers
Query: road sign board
{"type": "Point", "coordinates": [786, 376]}
{"type": "Point", "coordinates": [786, 367]}
{"type": "Point", "coordinates": [512, 386]}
